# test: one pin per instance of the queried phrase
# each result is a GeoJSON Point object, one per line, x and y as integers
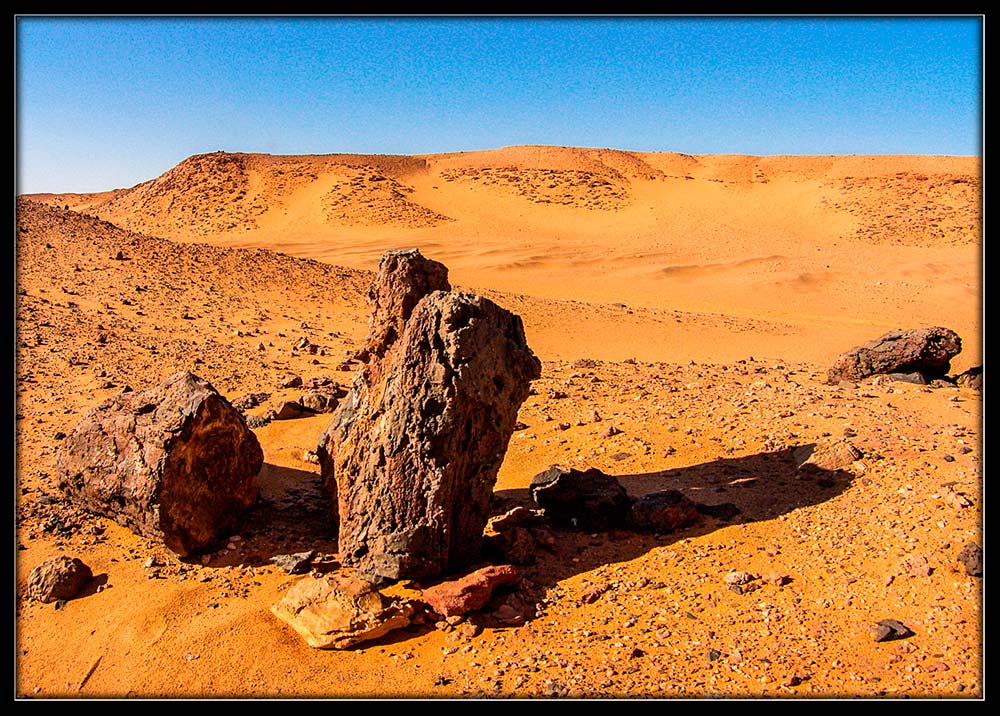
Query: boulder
{"type": "Point", "coordinates": [470, 592]}
{"type": "Point", "coordinates": [338, 611]}
{"type": "Point", "coordinates": [924, 350]}
{"type": "Point", "coordinates": [59, 577]}
{"type": "Point", "coordinates": [413, 451]}
{"type": "Point", "coordinates": [175, 463]}
{"type": "Point", "coordinates": [826, 455]}
{"type": "Point", "coordinates": [662, 512]}
{"type": "Point", "coordinates": [586, 499]}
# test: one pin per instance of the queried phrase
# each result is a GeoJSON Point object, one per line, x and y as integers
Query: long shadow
{"type": "Point", "coordinates": [763, 486]}
{"type": "Point", "coordinates": [292, 514]}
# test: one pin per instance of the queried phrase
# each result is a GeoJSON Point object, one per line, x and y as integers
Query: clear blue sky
{"type": "Point", "coordinates": [109, 102]}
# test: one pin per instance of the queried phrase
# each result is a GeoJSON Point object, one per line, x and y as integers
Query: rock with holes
{"type": "Point", "coordinates": [927, 351]}
{"type": "Point", "coordinates": [58, 577]}
{"type": "Point", "coordinates": [413, 451]}
{"type": "Point", "coordinates": [175, 463]}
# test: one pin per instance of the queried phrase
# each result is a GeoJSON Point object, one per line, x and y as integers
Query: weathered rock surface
{"type": "Point", "coordinates": [404, 277]}
{"type": "Point", "coordinates": [826, 455]}
{"type": "Point", "coordinates": [663, 512]}
{"type": "Point", "coordinates": [416, 445]}
{"type": "Point", "coordinates": [59, 577]}
{"type": "Point", "coordinates": [297, 563]}
{"type": "Point", "coordinates": [175, 463]}
{"type": "Point", "coordinates": [925, 350]}
{"type": "Point", "coordinates": [972, 378]}
{"type": "Point", "coordinates": [338, 611]}
{"type": "Point", "coordinates": [470, 592]}
{"type": "Point", "coordinates": [586, 499]}
{"type": "Point", "coordinates": [971, 557]}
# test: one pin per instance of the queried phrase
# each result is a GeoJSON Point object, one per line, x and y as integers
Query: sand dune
{"type": "Point", "coordinates": [692, 302]}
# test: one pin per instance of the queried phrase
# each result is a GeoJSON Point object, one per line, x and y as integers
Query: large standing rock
{"type": "Point", "coordinates": [175, 463]}
{"type": "Point", "coordinates": [404, 277]}
{"type": "Point", "coordinates": [415, 447]}
{"type": "Point", "coordinates": [338, 611]}
{"type": "Point", "coordinates": [925, 350]}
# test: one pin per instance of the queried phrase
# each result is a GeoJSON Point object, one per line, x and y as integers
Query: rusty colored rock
{"type": "Point", "coordinates": [470, 592]}
{"type": "Point", "coordinates": [338, 611]}
{"type": "Point", "coordinates": [413, 451]}
{"type": "Point", "coordinates": [59, 577]}
{"type": "Point", "coordinates": [925, 350]}
{"type": "Point", "coordinates": [174, 463]}
{"type": "Point", "coordinates": [404, 277]}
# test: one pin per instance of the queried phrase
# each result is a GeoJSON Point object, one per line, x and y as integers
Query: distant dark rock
{"type": "Point", "coordinates": [585, 499]}
{"type": "Point", "coordinates": [890, 630]}
{"type": "Point", "coordinates": [297, 563]}
{"type": "Point", "coordinates": [925, 350]}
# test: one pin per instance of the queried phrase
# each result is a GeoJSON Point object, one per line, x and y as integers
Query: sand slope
{"type": "Point", "coordinates": [692, 302]}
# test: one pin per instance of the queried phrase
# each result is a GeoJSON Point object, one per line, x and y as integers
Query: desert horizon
{"type": "Point", "coordinates": [660, 291]}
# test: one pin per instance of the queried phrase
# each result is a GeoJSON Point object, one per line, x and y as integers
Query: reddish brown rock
{"type": "Point", "coordinates": [175, 463]}
{"type": "Point", "coordinates": [404, 277]}
{"type": "Point", "coordinates": [413, 452]}
{"type": "Point", "coordinates": [470, 592]}
{"type": "Point", "coordinates": [925, 350]}
{"type": "Point", "coordinates": [59, 577]}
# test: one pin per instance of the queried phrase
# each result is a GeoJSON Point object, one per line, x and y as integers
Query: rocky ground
{"type": "Point", "coordinates": [783, 599]}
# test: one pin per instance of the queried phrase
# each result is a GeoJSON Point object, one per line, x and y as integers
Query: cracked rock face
{"type": "Point", "coordinates": [927, 351]}
{"type": "Point", "coordinates": [413, 452]}
{"type": "Point", "coordinates": [175, 463]}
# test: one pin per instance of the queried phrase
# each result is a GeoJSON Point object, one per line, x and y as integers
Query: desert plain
{"type": "Point", "coordinates": [692, 303]}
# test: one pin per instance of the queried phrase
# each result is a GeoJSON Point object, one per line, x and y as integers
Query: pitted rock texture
{"type": "Point", "coordinates": [58, 577]}
{"type": "Point", "coordinates": [415, 447]}
{"type": "Point", "coordinates": [404, 277]}
{"type": "Point", "coordinates": [175, 463]}
{"type": "Point", "coordinates": [924, 350]}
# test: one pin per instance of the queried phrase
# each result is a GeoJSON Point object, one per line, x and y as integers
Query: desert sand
{"type": "Point", "coordinates": [692, 302]}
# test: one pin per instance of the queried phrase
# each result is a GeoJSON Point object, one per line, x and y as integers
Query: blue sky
{"type": "Point", "coordinates": [108, 102]}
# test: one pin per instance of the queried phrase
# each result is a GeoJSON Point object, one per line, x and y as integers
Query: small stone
{"type": "Point", "coordinates": [891, 629]}
{"type": "Point", "coordinates": [297, 563]}
{"type": "Point", "coordinates": [58, 579]}
{"type": "Point", "coordinates": [971, 557]}
{"type": "Point", "coordinates": [739, 577]}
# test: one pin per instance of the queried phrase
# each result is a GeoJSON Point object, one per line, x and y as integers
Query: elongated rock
{"type": "Point", "coordinates": [175, 463]}
{"type": "Point", "coordinates": [415, 447]}
{"type": "Point", "coordinates": [924, 350]}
